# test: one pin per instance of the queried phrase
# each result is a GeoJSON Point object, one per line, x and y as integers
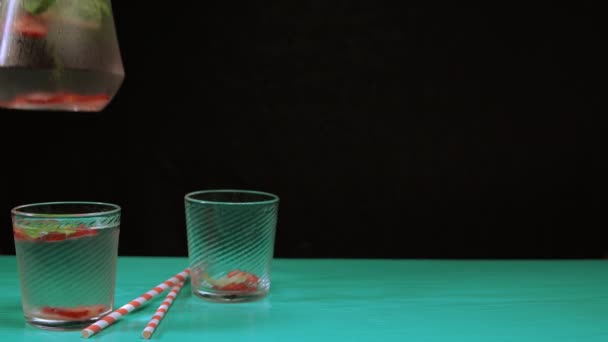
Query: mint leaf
{"type": "Point", "coordinates": [32, 233]}
{"type": "Point", "coordinates": [91, 12]}
{"type": "Point", "coordinates": [83, 10]}
{"type": "Point", "coordinates": [36, 6]}
{"type": "Point", "coordinates": [104, 7]}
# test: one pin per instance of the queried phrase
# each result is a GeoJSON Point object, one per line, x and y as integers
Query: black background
{"type": "Point", "coordinates": [387, 131]}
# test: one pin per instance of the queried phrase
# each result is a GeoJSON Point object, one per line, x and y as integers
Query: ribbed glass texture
{"type": "Point", "coordinates": [66, 262]}
{"type": "Point", "coordinates": [231, 238]}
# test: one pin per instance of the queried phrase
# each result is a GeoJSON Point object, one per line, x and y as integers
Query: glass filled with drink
{"type": "Point", "coordinates": [66, 257]}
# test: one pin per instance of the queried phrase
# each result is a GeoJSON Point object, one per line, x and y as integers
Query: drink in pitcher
{"type": "Point", "coordinates": [58, 55]}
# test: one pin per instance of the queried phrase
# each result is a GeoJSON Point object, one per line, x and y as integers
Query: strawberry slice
{"type": "Point", "coordinates": [53, 237]}
{"type": "Point", "coordinates": [20, 235]}
{"type": "Point", "coordinates": [30, 26]}
{"type": "Point", "coordinates": [237, 280]}
{"type": "Point", "coordinates": [37, 100]}
{"type": "Point", "coordinates": [86, 102]}
{"type": "Point", "coordinates": [74, 313]}
{"type": "Point", "coordinates": [40, 98]}
{"type": "Point", "coordinates": [67, 101]}
{"type": "Point", "coordinates": [234, 273]}
{"type": "Point", "coordinates": [252, 278]}
{"type": "Point", "coordinates": [243, 276]}
{"type": "Point", "coordinates": [236, 287]}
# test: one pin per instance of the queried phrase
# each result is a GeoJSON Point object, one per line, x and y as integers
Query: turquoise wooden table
{"type": "Point", "coordinates": [360, 300]}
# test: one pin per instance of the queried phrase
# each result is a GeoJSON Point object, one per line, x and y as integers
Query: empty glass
{"type": "Point", "coordinates": [231, 237]}
{"type": "Point", "coordinates": [58, 55]}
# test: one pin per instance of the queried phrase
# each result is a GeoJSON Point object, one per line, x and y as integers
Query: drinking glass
{"type": "Point", "coordinates": [231, 236]}
{"type": "Point", "coordinates": [66, 257]}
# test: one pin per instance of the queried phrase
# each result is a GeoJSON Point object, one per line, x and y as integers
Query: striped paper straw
{"type": "Point", "coordinates": [160, 312]}
{"type": "Point", "coordinates": [135, 303]}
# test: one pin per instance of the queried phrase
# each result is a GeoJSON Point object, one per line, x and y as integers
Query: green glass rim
{"type": "Point", "coordinates": [21, 210]}
{"type": "Point", "coordinates": [269, 198]}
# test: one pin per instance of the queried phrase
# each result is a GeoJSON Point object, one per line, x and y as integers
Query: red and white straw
{"type": "Point", "coordinates": [135, 303]}
{"type": "Point", "coordinates": [160, 312]}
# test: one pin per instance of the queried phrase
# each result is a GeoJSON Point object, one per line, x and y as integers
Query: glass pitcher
{"type": "Point", "coordinates": [58, 55]}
